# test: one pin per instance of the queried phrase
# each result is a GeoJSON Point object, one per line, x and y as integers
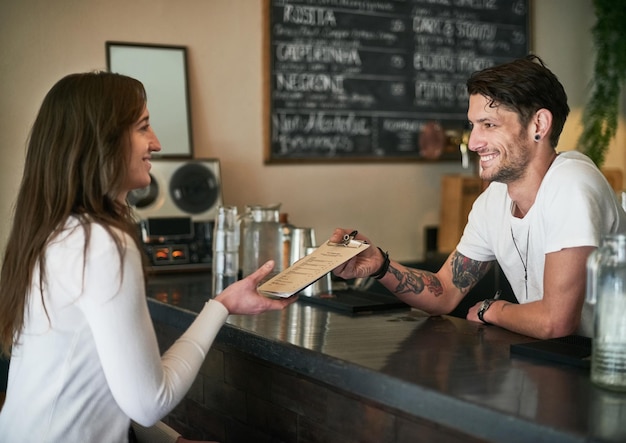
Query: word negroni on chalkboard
{"type": "Point", "coordinates": [380, 80]}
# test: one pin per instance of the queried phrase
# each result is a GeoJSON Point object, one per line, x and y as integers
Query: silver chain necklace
{"type": "Point", "coordinates": [524, 263]}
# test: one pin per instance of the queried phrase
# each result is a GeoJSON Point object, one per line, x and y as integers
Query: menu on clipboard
{"type": "Point", "coordinates": [312, 267]}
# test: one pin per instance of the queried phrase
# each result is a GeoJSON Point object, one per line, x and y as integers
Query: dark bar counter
{"type": "Point", "coordinates": [412, 377]}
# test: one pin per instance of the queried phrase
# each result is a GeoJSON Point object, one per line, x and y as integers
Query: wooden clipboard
{"type": "Point", "coordinates": [311, 268]}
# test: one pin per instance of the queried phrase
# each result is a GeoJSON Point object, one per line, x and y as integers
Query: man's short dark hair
{"type": "Point", "coordinates": [523, 86]}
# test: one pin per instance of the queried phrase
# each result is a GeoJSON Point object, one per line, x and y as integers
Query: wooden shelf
{"type": "Point", "coordinates": [458, 194]}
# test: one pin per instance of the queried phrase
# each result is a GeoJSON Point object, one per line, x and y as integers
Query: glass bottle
{"type": "Point", "coordinates": [225, 248]}
{"type": "Point", "coordinates": [287, 229]}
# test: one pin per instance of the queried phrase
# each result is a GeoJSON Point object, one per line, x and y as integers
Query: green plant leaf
{"type": "Point", "coordinates": [600, 116]}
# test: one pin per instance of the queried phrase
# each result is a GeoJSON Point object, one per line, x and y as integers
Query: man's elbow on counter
{"type": "Point", "coordinates": [554, 329]}
{"type": "Point", "coordinates": [437, 310]}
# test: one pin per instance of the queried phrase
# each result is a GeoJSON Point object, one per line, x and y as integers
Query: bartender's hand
{"type": "Point", "coordinates": [363, 264]}
{"type": "Point", "coordinates": [472, 313]}
{"type": "Point", "coordinates": [242, 296]}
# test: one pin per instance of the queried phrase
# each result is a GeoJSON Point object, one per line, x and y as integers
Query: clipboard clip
{"type": "Point", "coordinates": [348, 241]}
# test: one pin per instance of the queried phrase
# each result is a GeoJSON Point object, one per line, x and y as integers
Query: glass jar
{"type": "Point", "coordinates": [262, 238]}
{"type": "Point", "coordinates": [606, 292]}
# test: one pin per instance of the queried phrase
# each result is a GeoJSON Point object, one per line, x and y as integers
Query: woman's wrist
{"type": "Point", "coordinates": [382, 271]}
{"type": "Point", "coordinates": [220, 300]}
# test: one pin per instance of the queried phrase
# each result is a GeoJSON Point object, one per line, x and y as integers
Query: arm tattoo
{"type": "Point", "coordinates": [414, 281]}
{"type": "Point", "coordinates": [467, 272]}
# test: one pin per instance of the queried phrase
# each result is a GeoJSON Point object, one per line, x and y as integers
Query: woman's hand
{"type": "Point", "coordinates": [242, 296]}
{"type": "Point", "coordinates": [362, 265]}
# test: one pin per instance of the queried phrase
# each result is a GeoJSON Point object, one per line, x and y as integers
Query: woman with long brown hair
{"type": "Point", "coordinates": [73, 311]}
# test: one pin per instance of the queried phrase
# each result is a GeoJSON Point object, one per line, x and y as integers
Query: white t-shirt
{"type": "Point", "coordinates": [575, 206]}
{"type": "Point", "coordinates": [81, 372]}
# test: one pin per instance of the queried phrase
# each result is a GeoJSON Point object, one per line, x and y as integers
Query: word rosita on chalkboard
{"type": "Point", "coordinates": [307, 15]}
{"type": "Point", "coordinates": [381, 80]}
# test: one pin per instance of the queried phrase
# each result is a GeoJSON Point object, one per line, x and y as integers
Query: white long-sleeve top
{"type": "Point", "coordinates": [89, 362]}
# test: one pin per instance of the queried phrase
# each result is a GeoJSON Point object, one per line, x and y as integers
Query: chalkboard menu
{"type": "Point", "coordinates": [380, 80]}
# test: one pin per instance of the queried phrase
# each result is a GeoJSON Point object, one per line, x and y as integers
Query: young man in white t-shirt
{"type": "Point", "coordinates": [540, 218]}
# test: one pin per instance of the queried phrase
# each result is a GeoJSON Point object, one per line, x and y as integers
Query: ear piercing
{"type": "Point", "coordinates": [537, 137]}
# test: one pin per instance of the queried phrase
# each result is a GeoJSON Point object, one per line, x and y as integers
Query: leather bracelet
{"type": "Point", "coordinates": [384, 268]}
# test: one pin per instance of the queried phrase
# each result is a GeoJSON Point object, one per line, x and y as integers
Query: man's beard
{"type": "Point", "coordinates": [515, 168]}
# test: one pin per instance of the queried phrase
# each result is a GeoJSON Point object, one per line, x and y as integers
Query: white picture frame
{"type": "Point", "coordinates": [163, 71]}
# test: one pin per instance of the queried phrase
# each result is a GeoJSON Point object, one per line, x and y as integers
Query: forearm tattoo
{"type": "Point", "coordinates": [414, 281]}
{"type": "Point", "coordinates": [465, 274]}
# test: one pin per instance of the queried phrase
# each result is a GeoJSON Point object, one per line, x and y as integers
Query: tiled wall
{"type": "Point", "coordinates": [239, 399]}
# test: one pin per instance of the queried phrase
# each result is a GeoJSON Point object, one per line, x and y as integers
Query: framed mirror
{"type": "Point", "coordinates": [163, 72]}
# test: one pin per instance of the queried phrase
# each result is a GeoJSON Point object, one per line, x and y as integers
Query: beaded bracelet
{"type": "Point", "coordinates": [384, 268]}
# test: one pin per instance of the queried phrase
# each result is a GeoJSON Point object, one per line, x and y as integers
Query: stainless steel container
{"type": "Point", "coordinates": [320, 287]}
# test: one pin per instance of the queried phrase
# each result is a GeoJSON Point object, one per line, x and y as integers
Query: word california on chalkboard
{"type": "Point", "coordinates": [376, 80]}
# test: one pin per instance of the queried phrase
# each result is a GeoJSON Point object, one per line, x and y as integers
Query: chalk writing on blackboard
{"type": "Point", "coordinates": [380, 80]}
